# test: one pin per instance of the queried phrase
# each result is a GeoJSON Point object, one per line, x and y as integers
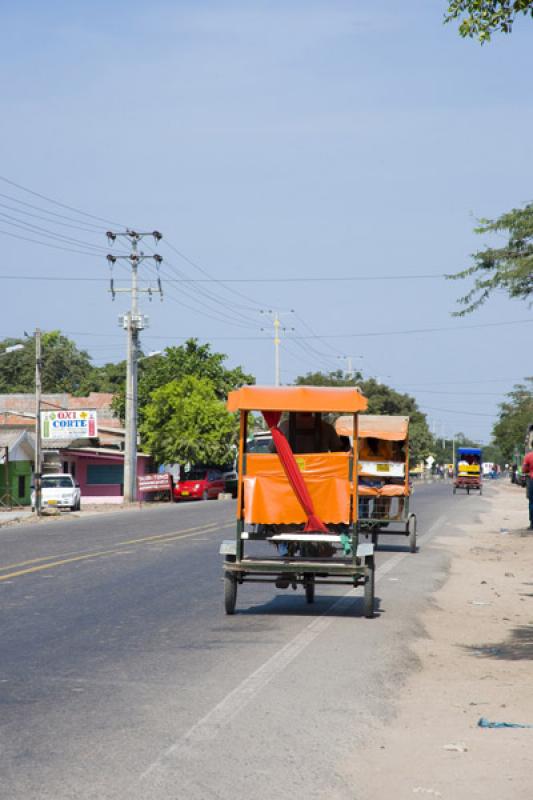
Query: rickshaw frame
{"type": "Point", "coordinates": [470, 483]}
{"type": "Point", "coordinates": [357, 568]}
{"type": "Point", "coordinates": [375, 527]}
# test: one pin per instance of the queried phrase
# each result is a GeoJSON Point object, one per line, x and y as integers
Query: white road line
{"type": "Point", "coordinates": [208, 728]}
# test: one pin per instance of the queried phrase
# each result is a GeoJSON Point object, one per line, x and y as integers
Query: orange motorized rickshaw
{"type": "Point", "coordinates": [383, 470]}
{"type": "Point", "coordinates": [301, 499]}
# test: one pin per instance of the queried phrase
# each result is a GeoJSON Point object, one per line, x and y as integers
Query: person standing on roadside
{"type": "Point", "coordinates": [527, 470]}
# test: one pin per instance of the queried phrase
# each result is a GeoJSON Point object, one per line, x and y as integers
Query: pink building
{"type": "Point", "coordinates": [100, 472]}
{"type": "Point", "coordinates": [98, 463]}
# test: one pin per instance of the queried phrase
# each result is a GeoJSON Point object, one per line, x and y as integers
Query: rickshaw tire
{"type": "Point", "coordinates": [411, 525]}
{"type": "Point", "coordinates": [230, 592]}
{"type": "Point", "coordinates": [375, 538]}
{"type": "Point", "coordinates": [468, 490]}
{"type": "Point", "coordinates": [310, 589]}
{"type": "Point", "coordinates": [368, 597]}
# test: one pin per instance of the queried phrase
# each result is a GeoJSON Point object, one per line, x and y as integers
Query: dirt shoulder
{"type": "Point", "coordinates": [476, 661]}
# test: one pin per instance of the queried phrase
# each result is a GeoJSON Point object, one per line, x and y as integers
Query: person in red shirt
{"type": "Point", "coordinates": [527, 470]}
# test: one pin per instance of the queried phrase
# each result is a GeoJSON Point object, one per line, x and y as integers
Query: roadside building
{"type": "Point", "coordinates": [96, 463]}
{"type": "Point", "coordinates": [17, 453]}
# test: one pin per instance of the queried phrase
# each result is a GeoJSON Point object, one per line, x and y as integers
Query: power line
{"type": "Point", "coordinates": [211, 313]}
{"type": "Point", "coordinates": [209, 278]}
{"type": "Point", "coordinates": [48, 244]}
{"type": "Point", "coordinates": [96, 228]}
{"type": "Point", "coordinates": [59, 204]}
{"type": "Point", "coordinates": [459, 383]}
{"type": "Point", "coordinates": [460, 413]}
{"type": "Point", "coordinates": [464, 394]}
{"type": "Point", "coordinates": [316, 279]}
{"type": "Point", "coordinates": [60, 222]}
{"type": "Point", "coordinates": [417, 330]}
{"type": "Point", "coordinates": [28, 226]}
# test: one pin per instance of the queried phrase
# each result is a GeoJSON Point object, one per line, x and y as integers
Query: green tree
{"type": "Point", "coordinates": [107, 378]}
{"type": "Point", "coordinates": [516, 414]}
{"type": "Point", "coordinates": [176, 363]}
{"type": "Point", "coordinates": [481, 18]}
{"type": "Point", "coordinates": [443, 454]}
{"type": "Point", "coordinates": [334, 378]}
{"type": "Point", "coordinates": [381, 400]}
{"type": "Point", "coordinates": [64, 369]}
{"type": "Point", "coordinates": [508, 268]}
{"type": "Point", "coordinates": [185, 421]}
{"type": "Point", "coordinates": [384, 400]}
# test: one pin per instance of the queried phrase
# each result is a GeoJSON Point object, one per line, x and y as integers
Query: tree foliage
{"type": "Point", "coordinates": [481, 18]}
{"type": "Point", "coordinates": [176, 363]}
{"type": "Point", "coordinates": [382, 399]}
{"type": "Point", "coordinates": [508, 268]}
{"type": "Point", "coordinates": [334, 378]}
{"type": "Point", "coordinates": [107, 378]}
{"type": "Point", "coordinates": [443, 449]}
{"type": "Point", "coordinates": [516, 414]}
{"type": "Point", "coordinates": [64, 366]}
{"type": "Point", "coordinates": [185, 421]}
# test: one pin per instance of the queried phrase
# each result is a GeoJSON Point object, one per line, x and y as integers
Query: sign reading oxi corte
{"type": "Point", "coordinates": [69, 424]}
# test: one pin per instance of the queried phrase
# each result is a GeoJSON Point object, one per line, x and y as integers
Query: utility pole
{"type": "Point", "coordinates": [278, 329]}
{"type": "Point", "coordinates": [38, 451]}
{"type": "Point", "coordinates": [349, 365]}
{"type": "Point", "coordinates": [453, 449]}
{"type": "Point", "coordinates": [133, 323]}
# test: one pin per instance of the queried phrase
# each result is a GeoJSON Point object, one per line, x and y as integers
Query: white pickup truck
{"type": "Point", "coordinates": [58, 490]}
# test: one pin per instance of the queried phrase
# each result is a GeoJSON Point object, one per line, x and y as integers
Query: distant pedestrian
{"type": "Point", "coordinates": [527, 470]}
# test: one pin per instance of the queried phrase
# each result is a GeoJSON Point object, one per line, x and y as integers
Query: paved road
{"type": "Point", "coordinates": [121, 677]}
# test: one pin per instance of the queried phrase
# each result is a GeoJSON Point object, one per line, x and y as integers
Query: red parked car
{"type": "Point", "coordinates": [200, 483]}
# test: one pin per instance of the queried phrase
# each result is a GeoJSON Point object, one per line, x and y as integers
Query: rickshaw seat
{"type": "Point", "coordinates": [270, 500]}
{"type": "Point", "coordinates": [387, 490]}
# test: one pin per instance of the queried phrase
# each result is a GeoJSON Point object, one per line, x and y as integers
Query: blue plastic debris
{"type": "Point", "coordinates": [485, 723]}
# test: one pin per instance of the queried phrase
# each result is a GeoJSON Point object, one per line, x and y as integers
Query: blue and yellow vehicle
{"type": "Point", "coordinates": [467, 470]}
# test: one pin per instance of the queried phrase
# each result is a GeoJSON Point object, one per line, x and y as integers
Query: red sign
{"type": "Point", "coordinates": [155, 482]}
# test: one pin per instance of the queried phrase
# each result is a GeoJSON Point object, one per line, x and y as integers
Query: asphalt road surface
{"type": "Point", "coordinates": [121, 676]}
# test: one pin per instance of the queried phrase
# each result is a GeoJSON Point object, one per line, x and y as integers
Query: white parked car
{"type": "Point", "coordinates": [58, 490]}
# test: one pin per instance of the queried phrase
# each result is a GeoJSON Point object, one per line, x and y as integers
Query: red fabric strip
{"type": "Point", "coordinates": [292, 471]}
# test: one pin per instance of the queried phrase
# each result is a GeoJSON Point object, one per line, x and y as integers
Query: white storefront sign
{"type": "Point", "coordinates": [63, 424]}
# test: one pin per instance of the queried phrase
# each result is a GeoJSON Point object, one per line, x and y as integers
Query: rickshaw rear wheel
{"type": "Point", "coordinates": [230, 592]}
{"type": "Point", "coordinates": [411, 527]}
{"type": "Point", "coordinates": [310, 588]}
{"type": "Point", "coordinates": [368, 597]}
{"type": "Point", "coordinates": [375, 537]}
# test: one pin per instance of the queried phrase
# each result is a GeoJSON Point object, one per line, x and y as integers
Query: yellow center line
{"type": "Point", "coordinates": [159, 538]}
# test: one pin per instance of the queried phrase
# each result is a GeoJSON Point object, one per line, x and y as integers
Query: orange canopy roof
{"type": "Point", "coordinates": [392, 429]}
{"type": "Point", "coordinates": [297, 398]}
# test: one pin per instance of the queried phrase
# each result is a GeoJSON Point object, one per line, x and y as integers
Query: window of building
{"type": "Point", "coordinates": [100, 474]}
{"type": "Point", "coordinates": [21, 486]}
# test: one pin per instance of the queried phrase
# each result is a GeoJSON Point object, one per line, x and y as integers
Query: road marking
{"type": "Point", "coordinates": [208, 728]}
{"type": "Point", "coordinates": [159, 538]}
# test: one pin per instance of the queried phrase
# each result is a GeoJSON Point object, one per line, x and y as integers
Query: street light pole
{"type": "Point", "coordinates": [38, 451]}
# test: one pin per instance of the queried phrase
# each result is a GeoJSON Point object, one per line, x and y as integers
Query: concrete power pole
{"type": "Point", "coordinates": [278, 329]}
{"type": "Point", "coordinates": [133, 323]}
{"type": "Point", "coordinates": [349, 372]}
{"type": "Point", "coordinates": [38, 450]}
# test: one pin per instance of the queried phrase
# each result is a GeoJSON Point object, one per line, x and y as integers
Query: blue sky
{"type": "Point", "coordinates": [272, 139]}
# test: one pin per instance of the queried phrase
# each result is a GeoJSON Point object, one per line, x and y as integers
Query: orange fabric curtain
{"type": "Point", "coordinates": [292, 471]}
